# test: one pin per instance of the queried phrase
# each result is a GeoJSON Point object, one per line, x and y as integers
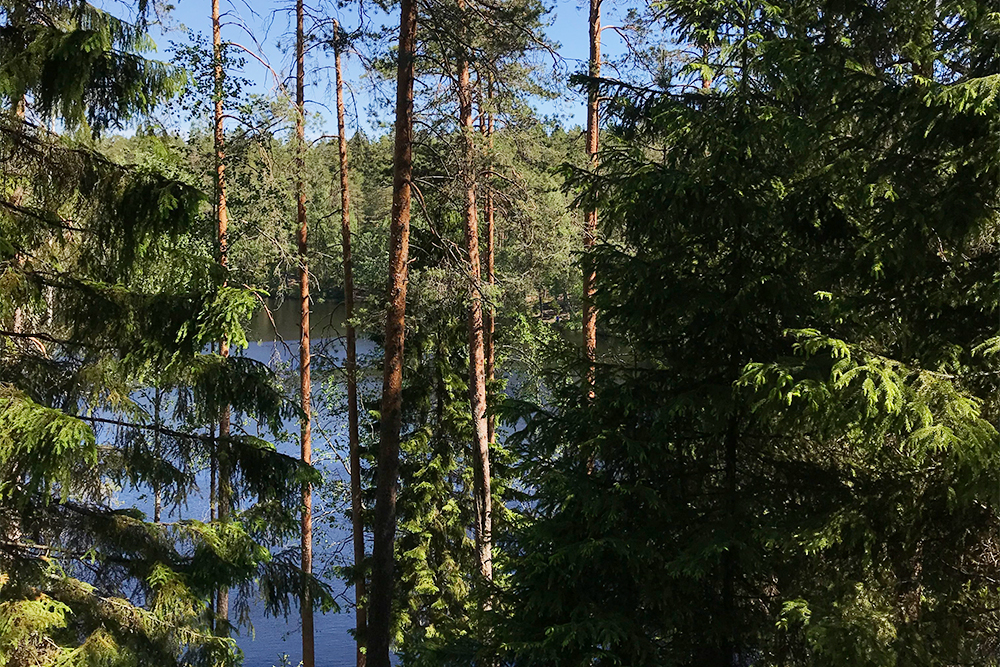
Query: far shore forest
{"type": "Point", "coordinates": [708, 379]}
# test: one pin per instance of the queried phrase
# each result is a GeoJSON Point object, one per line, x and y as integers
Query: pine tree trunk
{"type": "Point", "coordinates": [222, 220]}
{"type": "Point", "coordinates": [489, 327]}
{"type": "Point", "coordinates": [590, 231]}
{"type": "Point", "coordinates": [380, 599]}
{"type": "Point", "coordinates": [351, 364]}
{"type": "Point", "coordinates": [477, 369]}
{"type": "Point", "coordinates": [305, 382]}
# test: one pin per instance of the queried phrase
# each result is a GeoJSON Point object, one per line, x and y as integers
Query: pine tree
{"type": "Point", "coordinates": [438, 596]}
{"type": "Point", "coordinates": [380, 599]}
{"type": "Point", "coordinates": [483, 499]}
{"type": "Point", "coordinates": [351, 360]}
{"type": "Point", "coordinates": [220, 486]}
{"type": "Point", "coordinates": [490, 39]}
{"type": "Point", "coordinates": [305, 360]}
{"type": "Point", "coordinates": [590, 224]}
{"type": "Point", "coordinates": [489, 214]}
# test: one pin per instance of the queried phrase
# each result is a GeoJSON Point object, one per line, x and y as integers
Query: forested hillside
{"type": "Point", "coordinates": [703, 375]}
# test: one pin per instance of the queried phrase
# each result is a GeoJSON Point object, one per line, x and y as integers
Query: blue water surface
{"type": "Point", "coordinates": [268, 641]}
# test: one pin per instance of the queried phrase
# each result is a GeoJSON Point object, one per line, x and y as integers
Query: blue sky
{"type": "Point", "coordinates": [270, 24]}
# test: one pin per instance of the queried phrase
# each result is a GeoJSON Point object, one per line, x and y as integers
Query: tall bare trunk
{"type": "Point", "coordinates": [222, 220]}
{"type": "Point", "coordinates": [351, 363]}
{"type": "Point", "coordinates": [590, 231]}
{"type": "Point", "coordinates": [489, 326]}
{"type": "Point", "coordinates": [380, 599]}
{"type": "Point", "coordinates": [305, 386]}
{"type": "Point", "coordinates": [477, 371]}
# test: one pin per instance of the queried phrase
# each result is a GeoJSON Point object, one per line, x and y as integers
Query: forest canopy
{"type": "Point", "coordinates": [711, 381]}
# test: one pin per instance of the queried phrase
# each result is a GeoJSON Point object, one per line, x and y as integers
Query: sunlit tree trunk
{"type": "Point", "coordinates": [305, 382]}
{"type": "Point", "coordinates": [477, 370]}
{"type": "Point", "coordinates": [351, 363]}
{"type": "Point", "coordinates": [590, 231]}
{"type": "Point", "coordinates": [222, 220]}
{"type": "Point", "coordinates": [489, 214]}
{"type": "Point", "coordinates": [380, 598]}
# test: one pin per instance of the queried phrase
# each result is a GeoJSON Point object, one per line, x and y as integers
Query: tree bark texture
{"type": "Point", "coordinates": [590, 230]}
{"type": "Point", "coordinates": [489, 214]}
{"type": "Point", "coordinates": [380, 598]}
{"type": "Point", "coordinates": [222, 222]}
{"type": "Point", "coordinates": [17, 198]}
{"type": "Point", "coordinates": [477, 368]}
{"type": "Point", "coordinates": [305, 381]}
{"type": "Point", "coordinates": [351, 364]}
{"type": "Point", "coordinates": [157, 452]}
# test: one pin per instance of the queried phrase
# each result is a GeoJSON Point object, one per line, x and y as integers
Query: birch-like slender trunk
{"type": "Point", "coordinates": [351, 363]}
{"type": "Point", "coordinates": [380, 598]}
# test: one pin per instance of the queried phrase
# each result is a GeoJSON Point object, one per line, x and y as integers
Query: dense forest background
{"type": "Point", "coordinates": [712, 381]}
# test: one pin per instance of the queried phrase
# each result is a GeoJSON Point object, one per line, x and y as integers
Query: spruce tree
{"type": "Point", "coordinates": [798, 464]}
{"type": "Point", "coordinates": [113, 277]}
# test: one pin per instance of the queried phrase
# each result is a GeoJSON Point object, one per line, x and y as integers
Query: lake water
{"type": "Point", "coordinates": [278, 640]}
{"type": "Point", "coordinates": [267, 641]}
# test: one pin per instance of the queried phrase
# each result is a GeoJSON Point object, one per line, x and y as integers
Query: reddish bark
{"type": "Point", "coordinates": [351, 363]}
{"type": "Point", "coordinates": [222, 222]}
{"type": "Point", "coordinates": [489, 326]}
{"type": "Point", "coordinates": [477, 367]}
{"type": "Point", "coordinates": [305, 382]}
{"type": "Point", "coordinates": [590, 231]}
{"type": "Point", "coordinates": [380, 598]}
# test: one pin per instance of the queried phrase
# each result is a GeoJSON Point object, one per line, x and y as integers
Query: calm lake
{"type": "Point", "coordinates": [267, 641]}
{"type": "Point", "coordinates": [277, 640]}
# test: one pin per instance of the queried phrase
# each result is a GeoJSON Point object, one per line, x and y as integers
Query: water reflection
{"type": "Point", "coordinates": [274, 339]}
{"type": "Point", "coordinates": [274, 336]}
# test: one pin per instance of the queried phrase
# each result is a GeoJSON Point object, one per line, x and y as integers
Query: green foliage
{"type": "Point", "coordinates": [78, 62]}
{"type": "Point", "coordinates": [41, 440]}
{"type": "Point", "coordinates": [110, 295]}
{"type": "Point", "coordinates": [793, 460]}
